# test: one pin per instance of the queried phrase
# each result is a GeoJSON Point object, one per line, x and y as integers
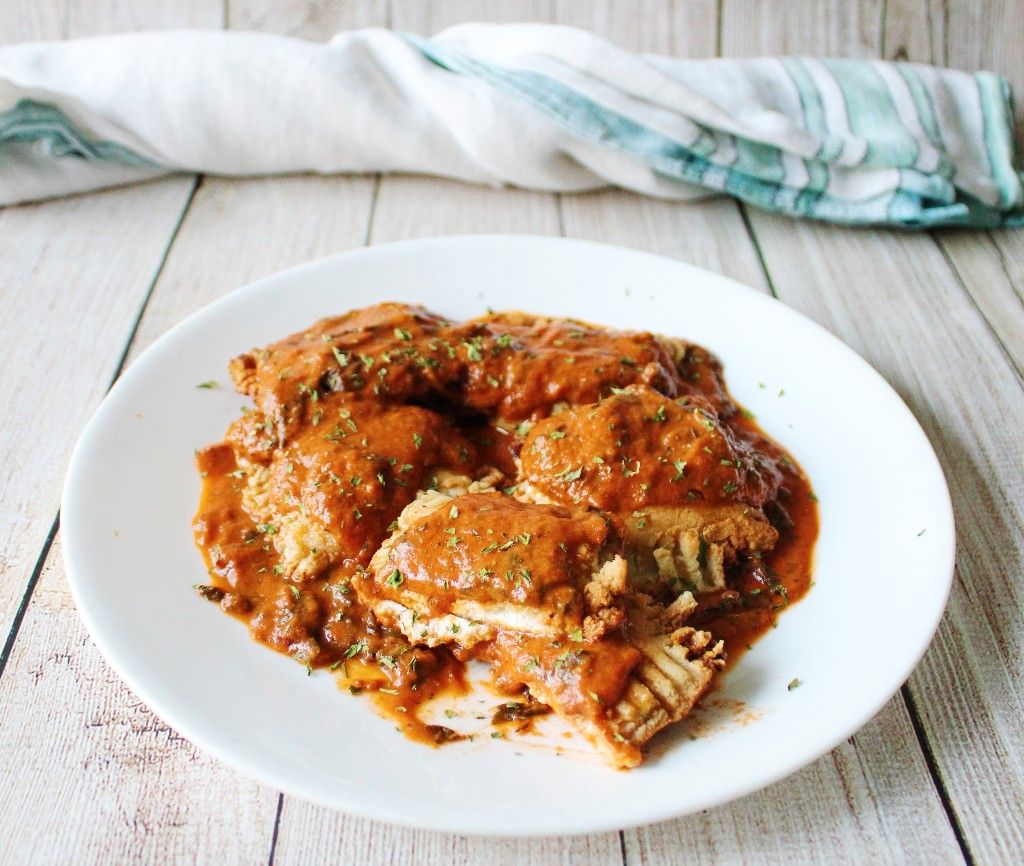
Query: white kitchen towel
{"type": "Point", "coordinates": [532, 105]}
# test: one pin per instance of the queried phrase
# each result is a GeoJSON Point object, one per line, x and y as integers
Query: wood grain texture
{"type": "Point", "coordinates": [91, 776]}
{"type": "Point", "coordinates": [30, 22]}
{"type": "Point", "coordinates": [71, 297]}
{"type": "Point", "coordinates": [429, 18]}
{"type": "Point", "coordinates": [1010, 245]}
{"type": "Point", "coordinates": [914, 30]}
{"type": "Point", "coordinates": [986, 36]}
{"type": "Point", "coordinates": [752, 28]}
{"type": "Point", "coordinates": [657, 26]}
{"type": "Point", "coordinates": [306, 19]}
{"type": "Point", "coordinates": [896, 301]}
{"type": "Point", "coordinates": [407, 207]}
{"type": "Point", "coordinates": [873, 816]}
{"type": "Point", "coordinates": [991, 271]}
{"type": "Point", "coordinates": [130, 789]}
{"type": "Point", "coordinates": [100, 17]}
{"type": "Point", "coordinates": [239, 230]}
{"type": "Point", "coordinates": [987, 266]}
{"type": "Point", "coordinates": [309, 834]}
{"type": "Point", "coordinates": [235, 231]}
{"type": "Point", "coordinates": [709, 234]}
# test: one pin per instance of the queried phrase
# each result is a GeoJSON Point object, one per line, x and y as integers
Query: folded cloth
{"type": "Point", "coordinates": [536, 106]}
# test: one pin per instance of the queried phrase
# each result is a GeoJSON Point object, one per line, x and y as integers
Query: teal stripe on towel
{"type": "Point", "coordinates": [814, 120]}
{"type": "Point", "coordinates": [994, 97]}
{"type": "Point", "coordinates": [760, 160]}
{"type": "Point", "coordinates": [926, 114]}
{"type": "Point", "coordinates": [29, 122]}
{"type": "Point", "coordinates": [924, 200]}
{"type": "Point", "coordinates": [872, 115]}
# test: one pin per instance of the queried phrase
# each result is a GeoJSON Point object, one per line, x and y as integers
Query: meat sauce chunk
{"type": "Point", "coordinates": [529, 365]}
{"type": "Point", "coordinates": [393, 352]}
{"type": "Point", "coordinates": [331, 493]}
{"type": "Point", "coordinates": [638, 448]}
{"type": "Point", "coordinates": [497, 563]}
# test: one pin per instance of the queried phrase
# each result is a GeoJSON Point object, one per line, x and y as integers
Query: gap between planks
{"type": "Point", "coordinates": [935, 773]}
{"type": "Point", "coordinates": [971, 787]}
{"type": "Point", "coordinates": [915, 719]}
{"type": "Point", "coordinates": [908, 700]}
{"type": "Point", "coordinates": [918, 728]}
{"type": "Point", "coordinates": [44, 551]}
{"type": "Point", "coordinates": [996, 301]}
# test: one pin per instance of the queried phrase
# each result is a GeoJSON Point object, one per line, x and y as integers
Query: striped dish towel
{"type": "Point", "coordinates": [537, 106]}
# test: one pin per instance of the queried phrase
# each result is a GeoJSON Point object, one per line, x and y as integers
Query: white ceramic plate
{"type": "Point", "coordinates": [883, 566]}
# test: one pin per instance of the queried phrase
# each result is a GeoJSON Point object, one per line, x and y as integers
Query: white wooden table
{"type": "Point", "coordinates": [89, 775]}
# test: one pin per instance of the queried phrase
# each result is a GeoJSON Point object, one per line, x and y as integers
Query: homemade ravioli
{"type": "Point", "coordinates": [585, 510]}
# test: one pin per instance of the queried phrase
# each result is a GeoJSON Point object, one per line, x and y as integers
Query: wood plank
{"type": "Point", "coordinates": [31, 22]}
{"type": "Point", "coordinates": [312, 835]}
{"type": "Point", "coordinates": [990, 269]}
{"type": "Point", "coordinates": [130, 789]}
{"type": "Point", "coordinates": [709, 233]}
{"type": "Point", "coordinates": [73, 298]}
{"type": "Point", "coordinates": [235, 231]}
{"type": "Point", "coordinates": [1010, 245]}
{"type": "Point", "coordinates": [407, 207]}
{"type": "Point", "coordinates": [878, 779]}
{"type": "Point", "coordinates": [238, 230]}
{"type": "Point", "coordinates": [65, 258]}
{"type": "Point", "coordinates": [92, 18]}
{"type": "Point", "coordinates": [914, 30]}
{"type": "Point", "coordinates": [986, 36]}
{"type": "Point", "coordinates": [60, 261]}
{"type": "Point", "coordinates": [809, 819]}
{"type": "Point", "coordinates": [658, 26]}
{"type": "Point", "coordinates": [926, 337]}
{"type": "Point", "coordinates": [92, 776]}
{"type": "Point", "coordinates": [986, 265]}
{"type": "Point", "coordinates": [415, 16]}
{"type": "Point", "coordinates": [306, 19]}
{"type": "Point", "coordinates": [752, 28]}
{"type": "Point", "coordinates": [907, 313]}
